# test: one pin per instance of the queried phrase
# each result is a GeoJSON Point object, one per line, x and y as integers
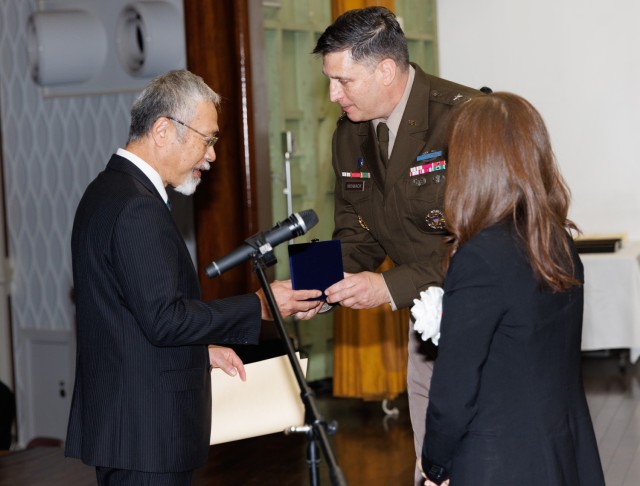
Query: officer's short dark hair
{"type": "Point", "coordinates": [370, 34]}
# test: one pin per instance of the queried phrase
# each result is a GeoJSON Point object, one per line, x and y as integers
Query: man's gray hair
{"type": "Point", "coordinates": [176, 94]}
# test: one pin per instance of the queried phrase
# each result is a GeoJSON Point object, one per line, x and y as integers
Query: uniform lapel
{"type": "Point", "coordinates": [412, 133]}
{"type": "Point", "coordinates": [371, 154]}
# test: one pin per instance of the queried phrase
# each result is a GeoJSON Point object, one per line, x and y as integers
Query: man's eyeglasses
{"type": "Point", "coordinates": [211, 141]}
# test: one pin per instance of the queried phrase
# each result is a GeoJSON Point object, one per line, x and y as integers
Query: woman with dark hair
{"type": "Point", "coordinates": [507, 403]}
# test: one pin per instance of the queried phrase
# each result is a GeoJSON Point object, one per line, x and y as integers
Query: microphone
{"type": "Point", "coordinates": [295, 225]}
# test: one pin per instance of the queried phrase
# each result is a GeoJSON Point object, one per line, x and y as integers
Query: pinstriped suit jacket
{"type": "Point", "coordinates": [507, 404]}
{"type": "Point", "coordinates": [142, 397]}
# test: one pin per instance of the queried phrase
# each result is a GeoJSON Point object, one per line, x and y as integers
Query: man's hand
{"type": "Point", "coordinates": [290, 301]}
{"type": "Point", "coordinates": [227, 360]}
{"type": "Point", "coordinates": [362, 290]}
{"type": "Point", "coordinates": [427, 481]}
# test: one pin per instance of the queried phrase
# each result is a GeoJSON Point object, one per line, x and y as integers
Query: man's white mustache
{"type": "Point", "coordinates": [205, 166]}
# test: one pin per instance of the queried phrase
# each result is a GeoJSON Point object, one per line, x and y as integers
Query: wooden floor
{"type": "Point", "coordinates": [371, 449]}
{"type": "Point", "coordinates": [613, 393]}
{"type": "Point", "coordinates": [385, 445]}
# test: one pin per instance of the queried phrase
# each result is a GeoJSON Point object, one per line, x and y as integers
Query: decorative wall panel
{"type": "Point", "coordinates": [51, 149]}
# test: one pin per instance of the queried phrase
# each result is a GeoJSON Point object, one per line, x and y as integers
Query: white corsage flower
{"type": "Point", "coordinates": [427, 313]}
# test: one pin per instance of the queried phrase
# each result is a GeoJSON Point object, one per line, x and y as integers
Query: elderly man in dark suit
{"type": "Point", "coordinates": [141, 409]}
{"type": "Point", "coordinates": [389, 157]}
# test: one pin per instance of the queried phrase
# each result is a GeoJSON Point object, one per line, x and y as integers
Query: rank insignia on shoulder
{"type": "Point", "coordinates": [449, 96]}
{"type": "Point", "coordinates": [362, 223]}
{"type": "Point", "coordinates": [435, 219]}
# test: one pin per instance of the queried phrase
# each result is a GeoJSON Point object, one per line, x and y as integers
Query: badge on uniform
{"type": "Point", "coordinates": [419, 181]}
{"type": "Point", "coordinates": [429, 156]}
{"type": "Point", "coordinates": [426, 168]}
{"type": "Point", "coordinates": [427, 163]}
{"type": "Point", "coordinates": [354, 185]}
{"type": "Point", "coordinates": [363, 225]}
{"type": "Point", "coordinates": [435, 219]}
{"type": "Point", "coordinates": [357, 175]}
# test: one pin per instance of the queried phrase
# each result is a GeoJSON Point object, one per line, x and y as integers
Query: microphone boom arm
{"type": "Point", "coordinates": [263, 248]}
{"type": "Point", "coordinates": [295, 225]}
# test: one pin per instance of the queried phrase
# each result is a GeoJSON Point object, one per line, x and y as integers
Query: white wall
{"type": "Point", "coordinates": [51, 149]}
{"type": "Point", "coordinates": [578, 62]}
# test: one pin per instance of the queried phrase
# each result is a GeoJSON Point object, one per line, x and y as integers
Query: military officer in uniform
{"type": "Point", "coordinates": [390, 162]}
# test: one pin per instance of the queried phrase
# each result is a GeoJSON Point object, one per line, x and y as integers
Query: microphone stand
{"type": "Point", "coordinates": [315, 428]}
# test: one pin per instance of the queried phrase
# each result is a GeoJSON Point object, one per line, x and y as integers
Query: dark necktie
{"type": "Point", "coordinates": [168, 203]}
{"type": "Point", "coordinates": [382, 132]}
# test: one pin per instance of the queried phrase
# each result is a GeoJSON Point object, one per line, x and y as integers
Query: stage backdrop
{"type": "Point", "coordinates": [578, 62]}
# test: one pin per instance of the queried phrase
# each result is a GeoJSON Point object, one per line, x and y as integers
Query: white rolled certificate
{"type": "Point", "coordinates": [268, 402]}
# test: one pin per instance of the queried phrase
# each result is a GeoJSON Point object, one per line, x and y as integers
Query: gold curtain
{"type": "Point", "coordinates": [370, 351]}
{"type": "Point", "coordinates": [341, 6]}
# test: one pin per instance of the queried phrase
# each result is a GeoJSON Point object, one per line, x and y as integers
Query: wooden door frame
{"type": "Point", "coordinates": [233, 201]}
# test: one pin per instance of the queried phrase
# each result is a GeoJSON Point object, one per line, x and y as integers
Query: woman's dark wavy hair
{"type": "Point", "coordinates": [370, 34]}
{"type": "Point", "coordinates": [501, 168]}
